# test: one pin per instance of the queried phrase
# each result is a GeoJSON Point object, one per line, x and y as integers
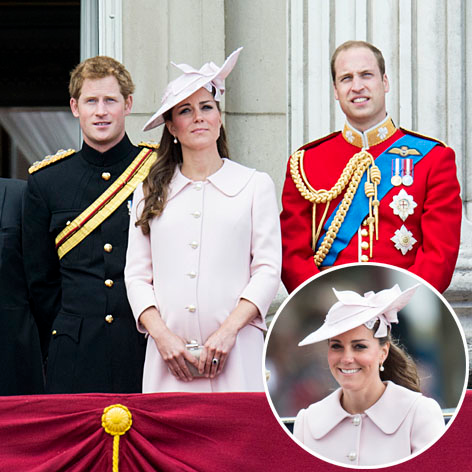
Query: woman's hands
{"type": "Point", "coordinates": [170, 346]}
{"type": "Point", "coordinates": [218, 346]}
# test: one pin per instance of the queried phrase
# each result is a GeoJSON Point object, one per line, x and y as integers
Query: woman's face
{"type": "Point", "coordinates": [196, 121]}
{"type": "Point", "coordinates": [354, 358]}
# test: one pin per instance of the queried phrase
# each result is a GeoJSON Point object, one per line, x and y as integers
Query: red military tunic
{"type": "Point", "coordinates": [434, 224]}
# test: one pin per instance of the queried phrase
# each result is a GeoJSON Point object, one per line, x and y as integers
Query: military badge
{"type": "Point", "coordinates": [396, 177]}
{"type": "Point", "coordinates": [404, 151]}
{"type": "Point", "coordinates": [403, 240]}
{"type": "Point", "coordinates": [407, 172]}
{"type": "Point", "coordinates": [403, 205]}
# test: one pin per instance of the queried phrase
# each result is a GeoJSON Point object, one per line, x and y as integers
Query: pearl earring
{"type": "Point", "coordinates": [175, 140]}
{"type": "Point", "coordinates": [381, 368]}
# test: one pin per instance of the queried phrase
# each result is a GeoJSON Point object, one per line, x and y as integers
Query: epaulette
{"type": "Point", "coordinates": [429, 138]}
{"type": "Point", "coordinates": [61, 154]}
{"type": "Point", "coordinates": [318, 141]}
{"type": "Point", "coordinates": [150, 145]}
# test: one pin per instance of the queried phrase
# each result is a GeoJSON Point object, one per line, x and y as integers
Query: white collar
{"type": "Point", "coordinates": [229, 179]}
{"type": "Point", "coordinates": [387, 413]}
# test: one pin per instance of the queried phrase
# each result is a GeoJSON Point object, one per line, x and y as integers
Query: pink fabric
{"type": "Point", "coordinates": [179, 432]}
{"type": "Point", "coordinates": [400, 423]}
{"type": "Point", "coordinates": [216, 242]}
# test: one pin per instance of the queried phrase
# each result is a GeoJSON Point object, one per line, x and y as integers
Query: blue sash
{"type": "Point", "coordinates": [359, 208]}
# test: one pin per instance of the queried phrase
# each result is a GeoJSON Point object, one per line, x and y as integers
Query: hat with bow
{"type": "Point", "coordinates": [208, 76]}
{"type": "Point", "coordinates": [353, 310]}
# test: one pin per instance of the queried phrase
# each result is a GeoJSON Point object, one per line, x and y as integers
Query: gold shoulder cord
{"type": "Point", "coordinates": [351, 175]}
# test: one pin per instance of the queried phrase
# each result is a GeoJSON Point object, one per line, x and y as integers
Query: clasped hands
{"type": "Point", "coordinates": [173, 350]}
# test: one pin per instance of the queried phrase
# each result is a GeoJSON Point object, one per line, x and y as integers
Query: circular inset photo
{"type": "Point", "coordinates": [366, 365]}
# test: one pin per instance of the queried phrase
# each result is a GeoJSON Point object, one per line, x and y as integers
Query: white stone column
{"type": "Point", "coordinates": [156, 32]}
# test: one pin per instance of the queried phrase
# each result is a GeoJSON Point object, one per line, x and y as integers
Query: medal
{"type": "Point", "coordinates": [403, 205]}
{"type": "Point", "coordinates": [403, 240]}
{"type": "Point", "coordinates": [396, 179]}
{"type": "Point", "coordinates": [407, 178]}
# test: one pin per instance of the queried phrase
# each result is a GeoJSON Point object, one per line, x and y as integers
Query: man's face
{"type": "Point", "coordinates": [101, 109]}
{"type": "Point", "coordinates": [360, 88]}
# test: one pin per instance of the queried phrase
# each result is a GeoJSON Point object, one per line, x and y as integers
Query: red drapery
{"type": "Point", "coordinates": [179, 432]}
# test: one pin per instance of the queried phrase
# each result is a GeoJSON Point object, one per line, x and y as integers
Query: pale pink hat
{"type": "Point", "coordinates": [353, 310]}
{"type": "Point", "coordinates": [209, 75]}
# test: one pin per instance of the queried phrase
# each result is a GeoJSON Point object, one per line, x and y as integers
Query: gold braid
{"type": "Point", "coordinates": [351, 175]}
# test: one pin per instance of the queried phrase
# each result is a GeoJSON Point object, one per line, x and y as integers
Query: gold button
{"type": "Point", "coordinates": [109, 318]}
{"type": "Point", "coordinates": [109, 283]}
{"type": "Point", "coordinates": [108, 247]}
{"type": "Point", "coordinates": [67, 222]}
{"type": "Point", "coordinates": [106, 176]}
{"type": "Point", "coordinates": [194, 244]}
{"type": "Point", "coordinates": [364, 245]}
{"type": "Point", "coordinates": [54, 332]}
{"type": "Point", "coordinates": [191, 308]}
{"type": "Point", "coordinates": [364, 223]}
{"type": "Point", "coordinates": [364, 258]}
{"type": "Point", "coordinates": [364, 232]}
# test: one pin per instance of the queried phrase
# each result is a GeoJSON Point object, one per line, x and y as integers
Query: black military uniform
{"type": "Point", "coordinates": [21, 370]}
{"type": "Point", "coordinates": [94, 345]}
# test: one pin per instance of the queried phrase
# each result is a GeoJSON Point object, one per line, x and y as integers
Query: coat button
{"type": "Point", "coordinates": [106, 176]}
{"type": "Point", "coordinates": [108, 247]}
{"type": "Point", "coordinates": [352, 456]}
{"type": "Point", "coordinates": [356, 421]}
{"type": "Point", "coordinates": [191, 308]}
{"type": "Point", "coordinates": [194, 244]}
{"type": "Point", "coordinates": [109, 319]}
{"type": "Point", "coordinates": [364, 232]}
{"type": "Point", "coordinates": [364, 258]}
{"type": "Point", "coordinates": [67, 222]}
{"type": "Point", "coordinates": [109, 283]}
{"type": "Point", "coordinates": [364, 245]}
{"type": "Point", "coordinates": [54, 332]}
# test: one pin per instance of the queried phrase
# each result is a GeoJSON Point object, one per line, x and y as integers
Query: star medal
{"type": "Point", "coordinates": [403, 205]}
{"type": "Point", "coordinates": [403, 240]}
{"type": "Point", "coordinates": [407, 178]}
{"type": "Point", "coordinates": [396, 178]}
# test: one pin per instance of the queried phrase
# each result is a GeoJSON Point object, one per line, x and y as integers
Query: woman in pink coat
{"type": "Point", "coordinates": [378, 414]}
{"type": "Point", "coordinates": [204, 252]}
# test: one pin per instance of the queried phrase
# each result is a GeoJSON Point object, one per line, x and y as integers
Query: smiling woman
{"type": "Point", "coordinates": [350, 393]}
{"type": "Point", "coordinates": [378, 401]}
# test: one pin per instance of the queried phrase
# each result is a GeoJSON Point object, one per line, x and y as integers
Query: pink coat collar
{"type": "Point", "coordinates": [230, 179]}
{"type": "Point", "coordinates": [387, 413]}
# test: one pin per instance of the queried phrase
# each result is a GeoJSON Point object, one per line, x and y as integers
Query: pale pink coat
{"type": "Point", "coordinates": [216, 242]}
{"type": "Point", "coordinates": [399, 424]}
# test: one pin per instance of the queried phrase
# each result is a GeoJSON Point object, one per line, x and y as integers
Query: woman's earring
{"type": "Point", "coordinates": [175, 140]}
{"type": "Point", "coordinates": [381, 368]}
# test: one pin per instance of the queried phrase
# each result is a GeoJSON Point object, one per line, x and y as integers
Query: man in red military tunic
{"type": "Point", "coordinates": [373, 192]}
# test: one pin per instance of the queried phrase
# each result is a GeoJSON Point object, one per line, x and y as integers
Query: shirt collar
{"type": "Point", "coordinates": [387, 413]}
{"type": "Point", "coordinates": [229, 179]}
{"type": "Point", "coordinates": [375, 135]}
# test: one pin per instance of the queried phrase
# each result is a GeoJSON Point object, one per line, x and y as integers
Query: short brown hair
{"type": "Point", "coordinates": [99, 67]}
{"type": "Point", "coordinates": [358, 44]}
